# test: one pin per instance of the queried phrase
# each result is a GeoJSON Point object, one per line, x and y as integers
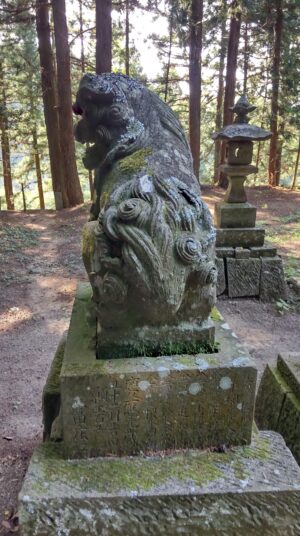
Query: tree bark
{"type": "Point", "coordinates": [38, 168]}
{"type": "Point", "coordinates": [5, 146]}
{"type": "Point", "coordinates": [127, 32]}
{"type": "Point", "coordinates": [232, 58]}
{"type": "Point", "coordinates": [293, 187]}
{"type": "Point", "coordinates": [274, 173]}
{"type": "Point", "coordinates": [103, 36]}
{"type": "Point", "coordinates": [220, 95]}
{"type": "Point", "coordinates": [82, 61]}
{"type": "Point", "coordinates": [195, 81]}
{"type": "Point", "coordinates": [49, 102]}
{"type": "Point", "coordinates": [66, 136]}
{"type": "Point", "coordinates": [168, 66]}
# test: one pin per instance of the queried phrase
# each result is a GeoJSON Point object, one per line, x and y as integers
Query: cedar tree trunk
{"type": "Point", "coordinates": [5, 146]}
{"type": "Point", "coordinates": [103, 36]}
{"type": "Point", "coordinates": [274, 172]}
{"type": "Point", "coordinates": [232, 57]}
{"type": "Point", "coordinates": [66, 136]}
{"type": "Point", "coordinates": [195, 81]}
{"type": "Point", "coordinates": [49, 101]}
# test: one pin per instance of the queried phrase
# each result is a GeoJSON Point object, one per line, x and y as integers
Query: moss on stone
{"type": "Point", "coordinates": [145, 473]}
{"type": "Point", "coordinates": [216, 315]}
{"type": "Point", "coordinates": [53, 381]}
{"type": "Point", "coordinates": [88, 242]}
{"type": "Point", "coordinates": [156, 350]}
{"type": "Point", "coordinates": [133, 163]}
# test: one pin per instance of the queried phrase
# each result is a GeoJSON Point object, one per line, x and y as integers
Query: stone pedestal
{"type": "Point", "coordinates": [278, 400]}
{"type": "Point", "coordinates": [124, 406]}
{"type": "Point", "coordinates": [255, 271]}
{"type": "Point", "coordinates": [246, 490]}
{"type": "Point", "coordinates": [234, 215]}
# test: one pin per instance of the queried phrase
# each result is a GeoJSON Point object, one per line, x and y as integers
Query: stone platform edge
{"type": "Point", "coordinates": [183, 493]}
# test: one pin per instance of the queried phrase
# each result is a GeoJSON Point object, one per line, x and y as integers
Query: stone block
{"type": "Point", "coordinates": [234, 215]}
{"type": "Point", "coordinates": [247, 490]}
{"type": "Point", "coordinates": [270, 398]}
{"type": "Point", "coordinates": [51, 391]}
{"type": "Point", "coordinates": [221, 282]}
{"type": "Point", "coordinates": [242, 253]}
{"type": "Point", "coordinates": [123, 406]}
{"type": "Point", "coordinates": [278, 400]}
{"type": "Point", "coordinates": [224, 252]}
{"type": "Point", "coordinates": [263, 251]}
{"type": "Point", "coordinates": [288, 365]}
{"type": "Point", "coordinates": [272, 283]}
{"type": "Point", "coordinates": [243, 277]}
{"type": "Point", "coordinates": [245, 238]}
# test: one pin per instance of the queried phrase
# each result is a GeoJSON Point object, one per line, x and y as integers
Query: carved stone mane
{"type": "Point", "coordinates": [150, 254]}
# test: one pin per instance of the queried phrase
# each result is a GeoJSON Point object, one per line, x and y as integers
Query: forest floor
{"type": "Point", "coordinates": [39, 271]}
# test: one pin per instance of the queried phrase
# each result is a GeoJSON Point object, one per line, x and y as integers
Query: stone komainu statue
{"type": "Point", "coordinates": [149, 253]}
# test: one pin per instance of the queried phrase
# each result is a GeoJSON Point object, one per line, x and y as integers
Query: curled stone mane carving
{"type": "Point", "coordinates": [149, 249]}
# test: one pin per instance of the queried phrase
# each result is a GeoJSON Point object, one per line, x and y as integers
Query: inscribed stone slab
{"type": "Point", "coordinates": [243, 277]}
{"type": "Point", "coordinates": [253, 491]}
{"type": "Point", "coordinates": [128, 405]}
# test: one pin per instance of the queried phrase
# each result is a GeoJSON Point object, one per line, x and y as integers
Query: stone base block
{"type": "Point", "coordinates": [278, 400]}
{"type": "Point", "coordinates": [244, 272]}
{"type": "Point", "coordinates": [243, 277]}
{"type": "Point", "coordinates": [240, 237]}
{"type": "Point", "coordinates": [123, 406]}
{"type": "Point", "coordinates": [234, 215]}
{"type": "Point", "coordinates": [272, 281]}
{"type": "Point", "coordinates": [252, 490]}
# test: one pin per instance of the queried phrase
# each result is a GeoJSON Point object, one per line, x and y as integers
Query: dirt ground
{"type": "Point", "coordinates": [40, 268]}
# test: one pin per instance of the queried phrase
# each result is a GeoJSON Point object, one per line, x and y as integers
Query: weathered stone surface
{"type": "Point", "coordinates": [153, 403]}
{"type": "Point", "coordinates": [51, 391]}
{"type": "Point", "coordinates": [150, 253]}
{"type": "Point", "coordinates": [242, 253]}
{"type": "Point", "coordinates": [288, 364]}
{"type": "Point", "coordinates": [289, 424]}
{"type": "Point", "coordinates": [253, 490]}
{"type": "Point", "coordinates": [278, 401]}
{"type": "Point", "coordinates": [272, 283]}
{"type": "Point", "coordinates": [221, 283]}
{"type": "Point", "coordinates": [240, 237]}
{"type": "Point", "coordinates": [243, 277]}
{"type": "Point", "coordinates": [270, 398]}
{"type": "Point", "coordinates": [263, 251]}
{"type": "Point", "coordinates": [224, 252]}
{"type": "Point", "coordinates": [234, 215]}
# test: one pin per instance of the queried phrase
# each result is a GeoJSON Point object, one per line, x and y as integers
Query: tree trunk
{"type": "Point", "coordinates": [49, 102]}
{"type": "Point", "coordinates": [23, 197]}
{"type": "Point", "coordinates": [220, 95]}
{"type": "Point", "coordinates": [246, 58]}
{"type": "Point", "coordinates": [273, 160]}
{"type": "Point", "coordinates": [103, 36]}
{"type": "Point", "coordinates": [169, 58]}
{"type": "Point", "coordinates": [127, 32]}
{"type": "Point", "coordinates": [293, 187]}
{"type": "Point", "coordinates": [5, 146]}
{"type": "Point", "coordinates": [232, 57]}
{"type": "Point", "coordinates": [66, 136]}
{"type": "Point", "coordinates": [82, 59]}
{"type": "Point", "coordinates": [195, 81]}
{"type": "Point", "coordinates": [38, 168]}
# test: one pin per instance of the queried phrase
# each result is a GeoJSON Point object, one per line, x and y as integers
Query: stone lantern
{"type": "Point", "coordinates": [246, 266]}
{"type": "Point", "coordinates": [235, 211]}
